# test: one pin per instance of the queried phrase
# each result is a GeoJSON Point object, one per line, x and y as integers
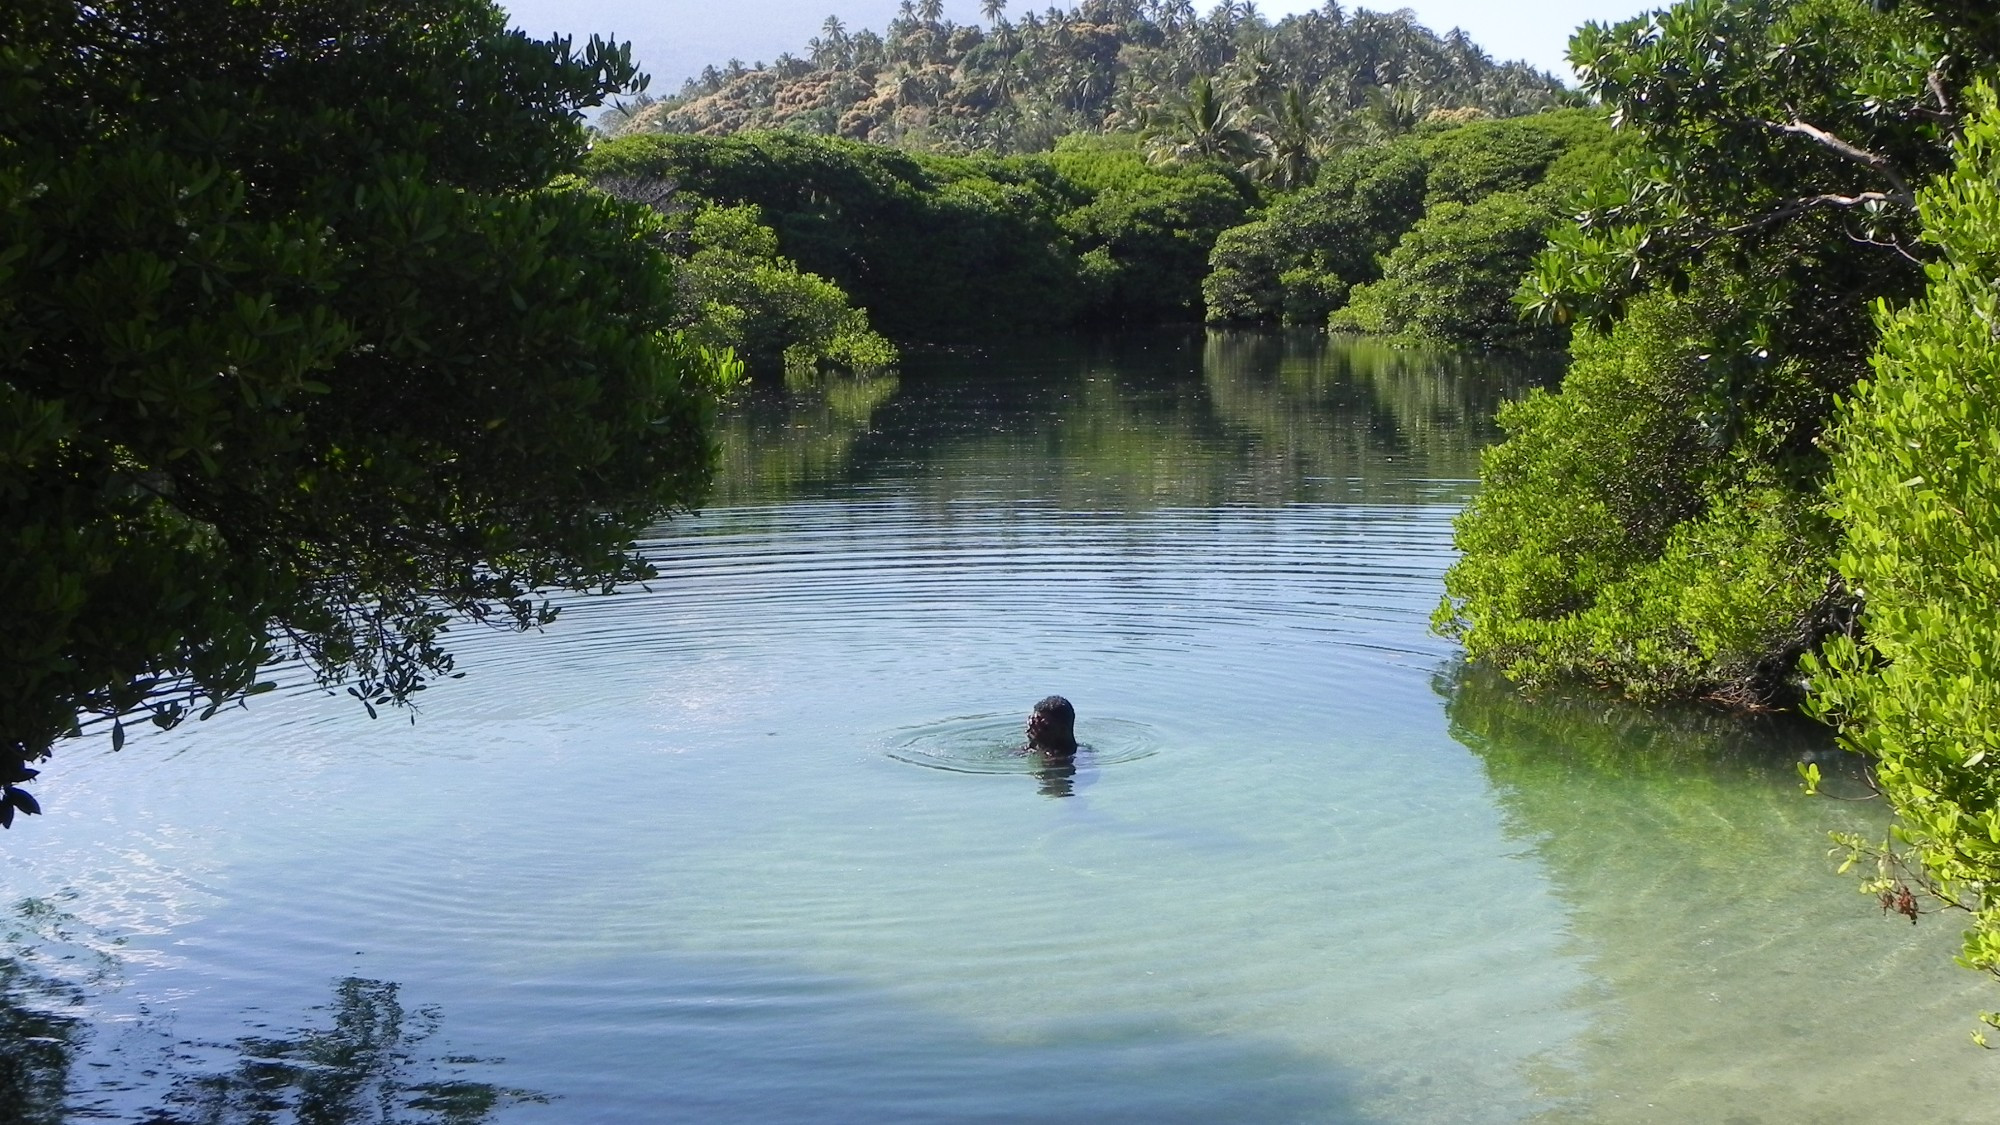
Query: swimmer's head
{"type": "Point", "coordinates": [1052, 726]}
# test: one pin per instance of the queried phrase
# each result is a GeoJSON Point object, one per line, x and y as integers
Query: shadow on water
{"type": "Point", "coordinates": [1135, 422]}
{"type": "Point", "coordinates": [739, 1041]}
{"type": "Point", "coordinates": [365, 1062]}
{"type": "Point", "coordinates": [1731, 962]}
{"type": "Point", "coordinates": [751, 1040]}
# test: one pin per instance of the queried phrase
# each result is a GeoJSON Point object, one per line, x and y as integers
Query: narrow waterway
{"type": "Point", "coordinates": [751, 845]}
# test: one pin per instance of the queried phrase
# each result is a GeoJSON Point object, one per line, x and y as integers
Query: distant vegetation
{"type": "Point", "coordinates": [1424, 236]}
{"type": "Point", "coordinates": [1228, 85]}
{"type": "Point", "coordinates": [1079, 166]}
{"type": "Point", "coordinates": [951, 248]}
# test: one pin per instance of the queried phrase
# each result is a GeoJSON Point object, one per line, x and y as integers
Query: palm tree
{"type": "Point", "coordinates": [1292, 142]}
{"type": "Point", "coordinates": [992, 10]}
{"type": "Point", "coordinates": [930, 11]}
{"type": "Point", "coordinates": [1257, 76]}
{"type": "Point", "coordinates": [1198, 127]}
{"type": "Point", "coordinates": [1392, 111]}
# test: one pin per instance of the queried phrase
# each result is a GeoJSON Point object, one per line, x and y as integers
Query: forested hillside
{"type": "Point", "coordinates": [1229, 83]}
{"type": "Point", "coordinates": [1118, 162]}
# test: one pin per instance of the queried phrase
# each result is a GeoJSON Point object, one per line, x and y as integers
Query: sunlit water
{"type": "Point", "coordinates": [755, 845]}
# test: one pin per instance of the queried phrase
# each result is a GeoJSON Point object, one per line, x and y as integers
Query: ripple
{"type": "Point", "coordinates": [991, 743]}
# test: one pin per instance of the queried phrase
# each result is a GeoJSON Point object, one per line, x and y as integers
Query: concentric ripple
{"type": "Point", "coordinates": [992, 744]}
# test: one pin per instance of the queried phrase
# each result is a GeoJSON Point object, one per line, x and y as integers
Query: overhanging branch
{"type": "Point", "coordinates": [1794, 208]}
{"type": "Point", "coordinates": [1902, 195]}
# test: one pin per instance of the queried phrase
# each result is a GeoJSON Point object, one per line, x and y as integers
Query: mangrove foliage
{"type": "Point", "coordinates": [307, 356]}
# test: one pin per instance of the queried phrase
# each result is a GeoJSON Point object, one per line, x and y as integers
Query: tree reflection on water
{"type": "Point", "coordinates": [46, 974]}
{"type": "Point", "coordinates": [368, 1065]}
{"type": "Point", "coordinates": [1695, 885]}
{"type": "Point", "coordinates": [1139, 421]}
{"type": "Point", "coordinates": [365, 1058]}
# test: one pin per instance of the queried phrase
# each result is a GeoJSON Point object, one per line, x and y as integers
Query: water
{"type": "Point", "coordinates": [754, 846]}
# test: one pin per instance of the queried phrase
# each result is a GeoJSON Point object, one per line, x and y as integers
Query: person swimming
{"type": "Point", "coordinates": [1052, 727]}
{"type": "Point", "coordinates": [1052, 739]}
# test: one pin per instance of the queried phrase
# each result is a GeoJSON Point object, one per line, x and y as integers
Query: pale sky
{"type": "Point", "coordinates": [673, 39]}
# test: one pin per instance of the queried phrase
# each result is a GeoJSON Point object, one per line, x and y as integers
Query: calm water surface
{"type": "Point", "coordinates": [750, 847]}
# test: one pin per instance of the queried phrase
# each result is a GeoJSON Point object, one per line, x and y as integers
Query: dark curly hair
{"type": "Point", "coordinates": [1053, 725]}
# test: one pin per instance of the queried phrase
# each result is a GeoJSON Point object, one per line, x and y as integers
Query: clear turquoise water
{"type": "Point", "coordinates": [749, 846]}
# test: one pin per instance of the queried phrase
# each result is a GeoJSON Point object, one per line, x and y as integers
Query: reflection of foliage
{"type": "Point", "coordinates": [1359, 410]}
{"type": "Point", "coordinates": [772, 438]}
{"type": "Point", "coordinates": [49, 959]}
{"type": "Point", "coordinates": [35, 1049]}
{"type": "Point", "coordinates": [1684, 857]}
{"type": "Point", "coordinates": [1124, 422]}
{"type": "Point", "coordinates": [367, 1067]}
{"type": "Point", "coordinates": [1583, 734]}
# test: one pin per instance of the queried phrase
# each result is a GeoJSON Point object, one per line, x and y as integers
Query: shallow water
{"type": "Point", "coordinates": [754, 845]}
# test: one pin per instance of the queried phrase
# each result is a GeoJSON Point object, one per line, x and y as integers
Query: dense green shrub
{"type": "Point", "coordinates": [1312, 252]}
{"type": "Point", "coordinates": [1151, 227]}
{"type": "Point", "coordinates": [941, 249]}
{"type": "Point", "coordinates": [737, 293]}
{"type": "Point", "coordinates": [944, 247]}
{"type": "Point", "coordinates": [1616, 540]}
{"type": "Point", "coordinates": [1453, 276]}
{"type": "Point", "coordinates": [1242, 284]}
{"type": "Point", "coordinates": [1916, 483]}
{"type": "Point", "coordinates": [1656, 527]}
{"type": "Point", "coordinates": [1470, 162]}
{"type": "Point", "coordinates": [1324, 239]}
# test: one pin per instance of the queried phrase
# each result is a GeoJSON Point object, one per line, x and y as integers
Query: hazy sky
{"type": "Point", "coordinates": [675, 38]}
